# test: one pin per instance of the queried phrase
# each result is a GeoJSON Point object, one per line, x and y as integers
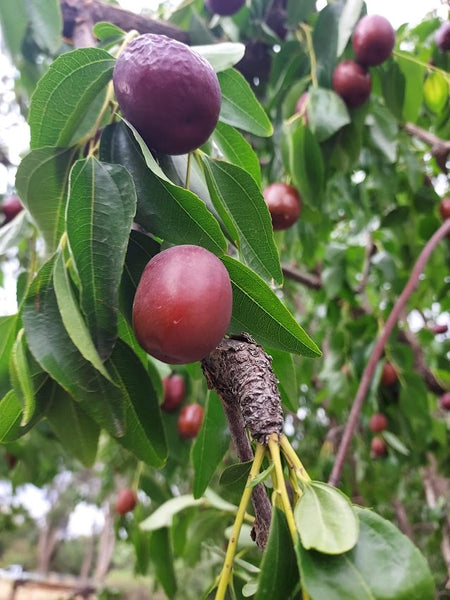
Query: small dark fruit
{"type": "Point", "coordinates": [284, 204]}
{"type": "Point", "coordinates": [389, 374]}
{"type": "Point", "coordinates": [352, 82]}
{"type": "Point", "coordinates": [190, 421]}
{"type": "Point", "coordinates": [126, 501]}
{"type": "Point", "coordinates": [301, 107]}
{"type": "Point", "coordinates": [373, 40]}
{"type": "Point", "coordinates": [444, 208]}
{"type": "Point", "coordinates": [439, 329]}
{"type": "Point", "coordinates": [182, 307]}
{"type": "Point", "coordinates": [378, 422]}
{"type": "Point", "coordinates": [443, 37]}
{"type": "Point", "coordinates": [174, 392]}
{"type": "Point", "coordinates": [224, 7]}
{"type": "Point", "coordinates": [256, 62]}
{"type": "Point", "coordinates": [11, 207]}
{"type": "Point", "coordinates": [11, 460]}
{"type": "Point", "coordinates": [378, 447]}
{"type": "Point", "coordinates": [444, 401]}
{"type": "Point", "coordinates": [168, 92]}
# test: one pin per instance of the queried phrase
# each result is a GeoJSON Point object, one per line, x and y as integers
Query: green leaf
{"type": "Point", "coordinates": [240, 107]}
{"type": "Point", "coordinates": [325, 519]}
{"type": "Point", "coordinates": [168, 211]}
{"type": "Point", "coordinates": [284, 369]}
{"type": "Point", "coordinates": [210, 445]}
{"type": "Point", "coordinates": [21, 377]}
{"type": "Point", "coordinates": [258, 311]}
{"type": "Point", "coordinates": [279, 577]}
{"type": "Point", "coordinates": [221, 56]}
{"type": "Point", "coordinates": [349, 17]}
{"type": "Point", "coordinates": [237, 150]}
{"type": "Point", "coordinates": [72, 317]}
{"type": "Point", "coordinates": [303, 160]}
{"type": "Point", "coordinates": [236, 474]}
{"type": "Point", "coordinates": [8, 333]}
{"type": "Point", "coordinates": [383, 130]}
{"type": "Point", "coordinates": [64, 95]}
{"type": "Point", "coordinates": [46, 23]}
{"type": "Point", "coordinates": [11, 415]}
{"type": "Point", "coordinates": [384, 565]}
{"type": "Point", "coordinates": [240, 203]}
{"type": "Point", "coordinates": [164, 514]}
{"type": "Point", "coordinates": [104, 30]}
{"type": "Point", "coordinates": [100, 211]}
{"type": "Point", "coordinates": [162, 557]}
{"type": "Point", "coordinates": [53, 349]}
{"type": "Point", "coordinates": [327, 113]}
{"type": "Point", "coordinates": [41, 183]}
{"type": "Point", "coordinates": [77, 432]}
{"type": "Point", "coordinates": [144, 435]}
{"type": "Point", "coordinates": [414, 73]}
{"type": "Point", "coordinates": [12, 233]}
{"type": "Point", "coordinates": [325, 40]}
{"type": "Point", "coordinates": [14, 22]}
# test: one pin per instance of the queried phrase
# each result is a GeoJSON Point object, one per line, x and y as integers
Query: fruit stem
{"type": "Point", "coordinates": [280, 484]}
{"type": "Point", "coordinates": [225, 575]}
{"type": "Point", "coordinates": [294, 463]}
{"type": "Point", "coordinates": [312, 55]}
{"type": "Point", "coordinates": [188, 171]}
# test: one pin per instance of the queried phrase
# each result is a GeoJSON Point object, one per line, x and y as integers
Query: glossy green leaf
{"type": "Point", "coordinates": [327, 113]}
{"type": "Point", "coordinates": [168, 211]}
{"type": "Point", "coordinates": [11, 415]}
{"type": "Point", "coordinates": [210, 445]}
{"type": "Point", "coordinates": [236, 474]}
{"type": "Point", "coordinates": [21, 377]}
{"type": "Point", "coordinates": [144, 435]}
{"type": "Point", "coordinates": [393, 87]}
{"type": "Point", "coordinates": [384, 565]}
{"type": "Point", "coordinates": [303, 160]}
{"type": "Point", "coordinates": [284, 369]}
{"type": "Point", "coordinates": [72, 317]}
{"type": "Point", "coordinates": [46, 23]}
{"type": "Point", "coordinates": [8, 332]}
{"type": "Point", "coordinates": [104, 30]}
{"type": "Point", "coordinates": [162, 557]}
{"type": "Point", "coordinates": [164, 514]}
{"type": "Point", "coordinates": [53, 349]}
{"type": "Point", "coordinates": [241, 205]}
{"type": "Point", "coordinates": [383, 130]}
{"type": "Point", "coordinates": [258, 311]}
{"type": "Point", "coordinates": [435, 91]}
{"type": "Point", "coordinates": [77, 432]}
{"type": "Point", "coordinates": [325, 519]}
{"type": "Point", "coordinates": [325, 40]}
{"type": "Point", "coordinates": [240, 107]}
{"type": "Point", "coordinates": [279, 577]}
{"type": "Point", "coordinates": [64, 95]}
{"type": "Point", "coordinates": [14, 22]}
{"type": "Point", "coordinates": [413, 72]}
{"type": "Point", "coordinates": [100, 211]}
{"type": "Point", "coordinates": [237, 150]}
{"type": "Point", "coordinates": [41, 182]}
{"type": "Point", "coordinates": [12, 233]}
{"type": "Point", "coordinates": [222, 56]}
{"type": "Point", "coordinates": [350, 16]}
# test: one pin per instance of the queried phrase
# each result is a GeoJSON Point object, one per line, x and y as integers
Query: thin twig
{"type": "Point", "coordinates": [307, 279]}
{"type": "Point", "coordinates": [440, 149]}
{"type": "Point", "coordinates": [369, 370]}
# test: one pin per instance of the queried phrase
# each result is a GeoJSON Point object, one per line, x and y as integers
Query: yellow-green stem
{"type": "Point", "coordinates": [188, 171]}
{"type": "Point", "coordinates": [280, 489]}
{"type": "Point", "coordinates": [293, 460]}
{"type": "Point", "coordinates": [312, 55]}
{"type": "Point", "coordinates": [225, 575]}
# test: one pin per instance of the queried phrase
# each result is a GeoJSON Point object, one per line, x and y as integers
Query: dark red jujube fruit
{"type": "Point", "coordinates": [373, 40]}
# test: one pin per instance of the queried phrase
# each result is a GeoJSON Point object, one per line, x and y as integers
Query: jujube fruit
{"type": "Point", "coordinates": [389, 374]}
{"type": "Point", "coordinates": [373, 40]}
{"type": "Point", "coordinates": [439, 329]}
{"type": "Point", "coordinates": [11, 207]}
{"type": "Point", "coordinates": [183, 302]}
{"type": "Point", "coordinates": [301, 106]}
{"type": "Point", "coordinates": [190, 421]}
{"type": "Point", "coordinates": [444, 401]}
{"type": "Point", "coordinates": [378, 422]}
{"type": "Point", "coordinates": [174, 391]}
{"type": "Point", "coordinates": [224, 7]}
{"type": "Point", "coordinates": [443, 37]}
{"type": "Point", "coordinates": [378, 447]}
{"type": "Point", "coordinates": [126, 501]}
{"type": "Point", "coordinates": [352, 82]}
{"type": "Point", "coordinates": [168, 92]}
{"type": "Point", "coordinates": [284, 204]}
{"type": "Point", "coordinates": [444, 208]}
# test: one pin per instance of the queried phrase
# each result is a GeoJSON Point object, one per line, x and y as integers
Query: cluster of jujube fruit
{"type": "Point", "coordinates": [190, 418]}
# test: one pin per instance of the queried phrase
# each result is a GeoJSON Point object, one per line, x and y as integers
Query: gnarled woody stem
{"type": "Point", "coordinates": [241, 373]}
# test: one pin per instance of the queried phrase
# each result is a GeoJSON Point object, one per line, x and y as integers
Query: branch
{"type": "Point", "coordinates": [78, 13]}
{"type": "Point", "coordinates": [440, 149]}
{"type": "Point", "coordinates": [369, 370]}
{"type": "Point", "coordinates": [308, 279]}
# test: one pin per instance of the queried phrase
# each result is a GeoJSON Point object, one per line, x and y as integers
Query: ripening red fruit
{"type": "Point", "coordinates": [378, 447]}
{"type": "Point", "coordinates": [126, 501]}
{"type": "Point", "coordinates": [224, 7]}
{"type": "Point", "coordinates": [168, 92]}
{"type": "Point", "coordinates": [443, 37]}
{"type": "Point", "coordinates": [182, 307]}
{"type": "Point", "coordinates": [378, 422]}
{"type": "Point", "coordinates": [11, 207]}
{"type": "Point", "coordinates": [284, 204]}
{"type": "Point", "coordinates": [174, 391]}
{"type": "Point", "coordinates": [352, 82]}
{"type": "Point", "coordinates": [444, 208]}
{"type": "Point", "coordinates": [389, 374]}
{"type": "Point", "coordinates": [439, 329]}
{"type": "Point", "coordinates": [444, 401]}
{"type": "Point", "coordinates": [190, 421]}
{"type": "Point", "coordinates": [373, 40]}
{"type": "Point", "coordinates": [301, 106]}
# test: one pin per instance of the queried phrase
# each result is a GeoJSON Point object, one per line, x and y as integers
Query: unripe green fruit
{"type": "Point", "coordinates": [352, 82]}
{"type": "Point", "coordinates": [182, 307]}
{"type": "Point", "coordinates": [168, 92]}
{"type": "Point", "coordinates": [373, 40]}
